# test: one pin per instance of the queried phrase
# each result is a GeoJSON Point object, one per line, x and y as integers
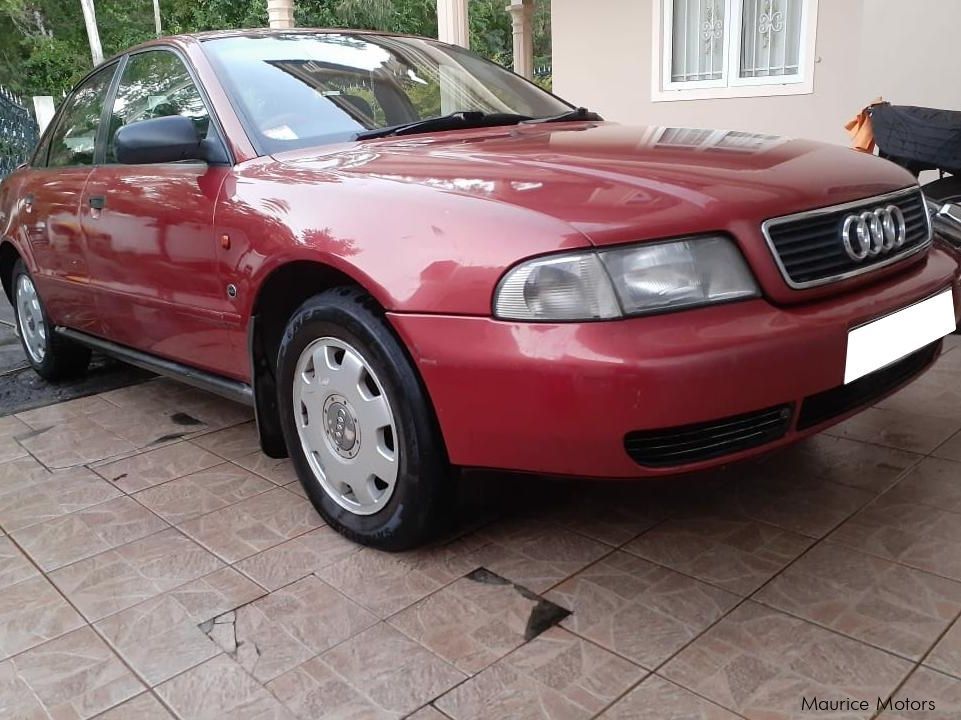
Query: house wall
{"type": "Point", "coordinates": [903, 50]}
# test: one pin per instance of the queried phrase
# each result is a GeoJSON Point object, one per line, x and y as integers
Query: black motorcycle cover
{"type": "Point", "coordinates": [924, 138]}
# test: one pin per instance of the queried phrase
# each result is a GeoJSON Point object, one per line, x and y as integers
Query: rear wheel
{"type": "Point", "coordinates": [53, 357]}
{"type": "Point", "coordinates": [358, 425]}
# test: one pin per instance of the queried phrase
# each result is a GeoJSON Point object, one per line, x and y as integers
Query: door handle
{"type": "Point", "coordinates": [98, 202]}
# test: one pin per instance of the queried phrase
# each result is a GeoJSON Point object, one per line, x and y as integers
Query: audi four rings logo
{"type": "Point", "coordinates": [874, 232]}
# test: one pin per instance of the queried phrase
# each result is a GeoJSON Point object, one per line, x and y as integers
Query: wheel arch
{"type": "Point", "coordinates": [284, 289]}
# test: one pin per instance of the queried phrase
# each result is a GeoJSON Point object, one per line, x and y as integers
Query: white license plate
{"type": "Point", "coordinates": [882, 342]}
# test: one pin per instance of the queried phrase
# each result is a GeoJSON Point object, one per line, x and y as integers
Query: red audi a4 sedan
{"type": "Point", "coordinates": [409, 259]}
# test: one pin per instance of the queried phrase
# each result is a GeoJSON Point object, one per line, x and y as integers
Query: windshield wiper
{"type": "Point", "coordinates": [462, 119]}
{"type": "Point", "coordinates": [569, 116]}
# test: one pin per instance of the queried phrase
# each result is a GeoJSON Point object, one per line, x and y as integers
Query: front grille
{"type": "Point", "coordinates": [826, 405]}
{"type": "Point", "coordinates": [703, 441]}
{"type": "Point", "coordinates": [809, 247]}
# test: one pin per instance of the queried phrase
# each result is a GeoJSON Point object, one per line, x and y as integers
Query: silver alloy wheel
{"type": "Point", "coordinates": [346, 426]}
{"type": "Point", "coordinates": [30, 319]}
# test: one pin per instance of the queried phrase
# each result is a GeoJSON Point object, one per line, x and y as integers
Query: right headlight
{"type": "Point", "coordinates": [633, 280]}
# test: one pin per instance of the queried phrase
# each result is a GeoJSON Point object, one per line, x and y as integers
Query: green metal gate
{"type": "Point", "coordinates": [18, 132]}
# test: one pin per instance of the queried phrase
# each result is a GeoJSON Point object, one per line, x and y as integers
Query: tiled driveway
{"type": "Point", "coordinates": [154, 564]}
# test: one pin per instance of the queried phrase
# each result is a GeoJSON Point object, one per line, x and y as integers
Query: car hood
{"type": "Point", "coordinates": [615, 183]}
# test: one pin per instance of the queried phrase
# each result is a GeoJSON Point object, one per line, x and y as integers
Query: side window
{"type": "Point", "coordinates": [75, 138]}
{"type": "Point", "coordinates": [155, 84]}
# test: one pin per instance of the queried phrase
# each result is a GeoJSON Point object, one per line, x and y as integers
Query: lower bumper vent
{"type": "Point", "coordinates": [829, 404]}
{"type": "Point", "coordinates": [704, 441]}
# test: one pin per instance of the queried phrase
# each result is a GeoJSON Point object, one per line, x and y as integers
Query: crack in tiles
{"type": "Point", "coordinates": [182, 418]}
{"type": "Point", "coordinates": [222, 630]}
{"type": "Point", "coordinates": [544, 615]}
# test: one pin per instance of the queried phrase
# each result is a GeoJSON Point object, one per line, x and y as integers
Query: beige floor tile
{"type": "Point", "coordinates": [279, 472]}
{"type": "Point", "coordinates": [232, 443]}
{"type": "Point", "coordinates": [220, 689]}
{"type": "Point", "coordinates": [381, 582]}
{"type": "Point", "coordinates": [157, 638]}
{"type": "Point", "coordinates": [848, 462]}
{"type": "Point", "coordinates": [658, 699]}
{"type": "Point", "coordinates": [14, 566]}
{"type": "Point", "coordinates": [156, 393]}
{"type": "Point", "coordinates": [37, 496]}
{"type": "Point", "coordinates": [297, 558]}
{"type": "Point", "coordinates": [477, 620]}
{"type": "Point", "coordinates": [203, 492]}
{"type": "Point", "coordinates": [946, 655]}
{"type": "Point", "coordinates": [880, 602]}
{"type": "Point", "coordinates": [143, 707]}
{"type": "Point", "coordinates": [82, 534]}
{"type": "Point", "coordinates": [121, 578]}
{"type": "Point", "coordinates": [637, 609]}
{"type": "Point", "coordinates": [11, 426]}
{"type": "Point", "coordinates": [59, 413]}
{"type": "Point", "coordinates": [144, 427]}
{"type": "Point", "coordinates": [428, 713]}
{"type": "Point", "coordinates": [921, 536]}
{"type": "Point", "coordinates": [909, 431]}
{"type": "Point", "coordinates": [925, 690]}
{"type": "Point", "coordinates": [10, 449]}
{"type": "Point", "coordinates": [933, 482]}
{"type": "Point", "coordinates": [736, 553]}
{"type": "Point", "coordinates": [297, 489]}
{"type": "Point", "coordinates": [810, 507]}
{"type": "Point", "coordinates": [378, 673]}
{"type": "Point", "coordinates": [951, 448]}
{"type": "Point", "coordinates": [75, 676]}
{"type": "Point", "coordinates": [33, 612]}
{"type": "Point", "coordinates": [613, 515]}
{"type": "Point", "coordinates": [539, 556]}
{"type": "Point", "coordinates": [254, 525]}
{"type": "Point", "coordinates": [20, 473]}
{"type": "Point", "coordinates": [936, 394]}
{"type": "Point", "coordinates": [214, 594]}
{"type": "Point", "coordinates": [276, 633]}
{"type": "Point", "coordinates": [154, 467]}
{"type": "Point", "coordinates": [760, 662]}
{"type": "Point", "coordinates": [556, 676]}
{"type": "Point", "coordinates": [77, 441]}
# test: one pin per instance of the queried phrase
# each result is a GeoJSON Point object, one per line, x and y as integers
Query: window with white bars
{"type": "Point", "coordinates": [731, 48]}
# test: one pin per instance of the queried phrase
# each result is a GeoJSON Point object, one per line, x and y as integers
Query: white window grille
{"type": "Point", "coordinates": [732, 48]}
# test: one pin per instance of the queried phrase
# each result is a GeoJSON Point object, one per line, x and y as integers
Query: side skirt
{"type": "Point", "coordinates": [225, 387]}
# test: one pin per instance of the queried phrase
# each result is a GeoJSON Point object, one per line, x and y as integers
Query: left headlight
{"type": "Point", "coordinates": [603, 284]}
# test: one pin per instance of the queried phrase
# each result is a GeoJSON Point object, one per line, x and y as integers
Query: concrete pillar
{"type": "Point", "coordinates": [44, 109]}
{"type": "Point", "coordinates": [522, 17]}
{"type": "Point", "coordinates": [452, 22]}
{"type": "Point", "coordinates": [280, 13]}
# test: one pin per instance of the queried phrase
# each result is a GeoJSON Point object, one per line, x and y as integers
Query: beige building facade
{"type": "Point", "coordinates": [614, 56]}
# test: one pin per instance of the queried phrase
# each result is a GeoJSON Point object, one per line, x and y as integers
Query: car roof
{"type": "Point", "coordinates": [187, 39]}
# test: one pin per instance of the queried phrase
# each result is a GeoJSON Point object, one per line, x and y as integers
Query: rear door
{"type": "Point", "coordinates": [149, 228]}
{"type": "Point", "coordinates": [52, 197]}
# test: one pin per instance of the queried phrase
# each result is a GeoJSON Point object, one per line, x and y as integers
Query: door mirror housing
{"type": "Point", "coordinates": [167, 139]}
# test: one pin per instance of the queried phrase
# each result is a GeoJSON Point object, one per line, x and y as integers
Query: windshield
{"type": "Point", "coordinates": [304, 89]}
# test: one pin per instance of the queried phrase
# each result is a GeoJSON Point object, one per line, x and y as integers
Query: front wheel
{"type": "Point", "coordinates": [53, 357]}
{"type": "Point", "coordinates": [358, 425]}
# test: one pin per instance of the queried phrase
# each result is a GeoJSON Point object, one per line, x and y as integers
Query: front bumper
{"type": "Point", "coordinates": [562, 398]}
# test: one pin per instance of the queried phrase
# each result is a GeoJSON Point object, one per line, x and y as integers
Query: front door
{"type": "Point", "coordinates": [52, 200]}
{"type": "Point", "coordinates": [149, 228]}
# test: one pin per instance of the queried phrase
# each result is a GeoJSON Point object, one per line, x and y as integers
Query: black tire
{"type": "Point", "coordinates": [945, 190]}
{"type": "Point", "coordinates": [417, 510]}
{"type": "Point", "coordinates": [62, 359]}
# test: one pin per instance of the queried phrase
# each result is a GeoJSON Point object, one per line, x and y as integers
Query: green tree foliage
{"type": "Point", "coordinates": [45, 49]}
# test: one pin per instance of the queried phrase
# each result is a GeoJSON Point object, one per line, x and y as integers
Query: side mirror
{"type": "Point", "coordinates": [161, 140]}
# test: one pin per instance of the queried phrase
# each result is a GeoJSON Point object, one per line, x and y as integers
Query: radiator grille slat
{"type": "Point", "coordinates": [810, 250]}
